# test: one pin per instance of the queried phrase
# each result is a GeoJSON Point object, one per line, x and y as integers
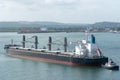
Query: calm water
{"type": "Point", "coordinates": [24, 69]}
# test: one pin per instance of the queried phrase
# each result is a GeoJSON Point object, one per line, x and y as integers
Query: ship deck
{"type": "Point", "coordinates": [58, 53]}
{"type": "Point", "coordinates": [44, 51]}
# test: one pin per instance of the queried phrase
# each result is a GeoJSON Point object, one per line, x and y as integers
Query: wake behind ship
{"type": "Point", "coordinates": [86, 53]}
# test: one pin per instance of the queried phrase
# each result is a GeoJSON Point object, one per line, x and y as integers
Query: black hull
{"type": "Point", "coordinates": [56, 58]}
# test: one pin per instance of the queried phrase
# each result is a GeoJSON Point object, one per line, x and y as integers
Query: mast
{"type": "Point", "coordinates": [65, 44]}
{"type": "Point", "coordinates": [23, 41]}
{"type": "Point", "coordinates": [36, 42]}
{"type": "Point", "coordinates": [50, 43]}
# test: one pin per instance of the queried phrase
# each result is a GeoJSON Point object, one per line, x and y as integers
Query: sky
{"type": "Point", "coordinates": [66, 11]}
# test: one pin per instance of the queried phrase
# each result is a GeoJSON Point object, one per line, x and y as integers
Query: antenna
{"type": "Point", "coordinates": [12, 41]}
{"type": "Point", "coordinates": [87, 33]}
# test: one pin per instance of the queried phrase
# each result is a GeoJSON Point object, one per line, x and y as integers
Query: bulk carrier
{"type": "Point", "coordinates": [86, 53]}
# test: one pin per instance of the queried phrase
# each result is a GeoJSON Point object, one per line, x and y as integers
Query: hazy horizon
{"type": "Point", "coordinates": [64, 11]}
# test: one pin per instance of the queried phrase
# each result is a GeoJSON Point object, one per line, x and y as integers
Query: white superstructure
{"type": "Point", "coordinates": [88, 48]}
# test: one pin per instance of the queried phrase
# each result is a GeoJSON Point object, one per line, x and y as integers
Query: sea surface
{"type": "Point", "coordinates": [25, 69]}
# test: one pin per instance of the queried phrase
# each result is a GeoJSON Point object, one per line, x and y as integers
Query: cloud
{"type": "Point", "coordinates": [43, 2]}
{"type": "Point", "coordinates": [59, 2]}
{"type": "Point", "coordinates": [60, 10]}
{"type": "Point", "coordinates": [36, 4]}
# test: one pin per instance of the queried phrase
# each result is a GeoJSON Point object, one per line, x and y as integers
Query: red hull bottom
{"type": "Point", "coordinates": [48, 60]}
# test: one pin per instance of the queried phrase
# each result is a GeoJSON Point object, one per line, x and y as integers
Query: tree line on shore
{"type": "Point", "coordinates": [55, 26]}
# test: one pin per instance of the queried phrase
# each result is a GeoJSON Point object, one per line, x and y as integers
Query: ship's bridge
{"type": "Point", "coordinates": [88, 48]}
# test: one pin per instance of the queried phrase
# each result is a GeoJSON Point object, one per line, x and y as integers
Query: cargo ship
{"type": "Point", "coordinates": [86, 52]}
